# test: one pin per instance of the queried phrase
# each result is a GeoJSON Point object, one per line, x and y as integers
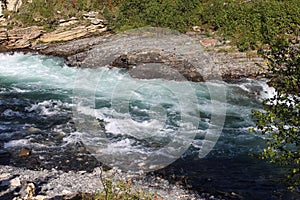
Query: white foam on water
{"type": "Point", "coordinates": [49, 107]}
{"type": "Point", "coordinates": [133, 108]}
{"type": "Point", "coordinates": [16, 143]}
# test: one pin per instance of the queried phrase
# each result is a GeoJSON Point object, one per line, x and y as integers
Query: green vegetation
{"type": "Point", "coordinates": [249, 24]}
{"type": "Point", "coordinates": [174, 14]}
{"type": "Point", "coordinates": [280, 120]}
{"type": "Point", "coordinates": [116, 189]}
{"type": "Point", "coordinates": [47, 13]}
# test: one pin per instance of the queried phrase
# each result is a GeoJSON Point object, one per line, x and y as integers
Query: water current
{"type": "Point", "coordinates": [133, 123]}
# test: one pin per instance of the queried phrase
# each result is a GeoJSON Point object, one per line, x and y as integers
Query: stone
{"type": "Point", "coordinates": [22, 37]}
{"type": "Point", "coordinates": [41, 197]}
{"type": "Point", "coordinates": [34, 130]}
{"type": "Point", "coordinates": [15, 182]}
{"type": "Point", "coordinates": [1, 8]}
{"type": "Point", "coordinates": [30, 191]}
{"type": "Point", "coordinates": [61, 35]}
{"type": "Point", "coordinates": [28, 33]}
{"type": "Point", "coordinates": [96, 28]}
{"type": "Point", "coordinates": [25, 152]}
{"type": "Point", "coordinates": [3, 35]}
{"type": "Point", "coordinates": [209, 42]}
{"type": "Point", "coordinates": [13, 5]}
{"type": "Point", "coordinates": [66, 192]}
{"type": "Point", "coordinates": [90, 15]}
{"type": "Point", "coordinates": [97, 21]}
{"type": "Point", "coordinates": [196, 28]}
{"type": "Point", "coordinates": [74, 33]}
{"type": "Point", "coordinates": [4, 176]}
{"type": "Point", "coordinates": [68, 22]}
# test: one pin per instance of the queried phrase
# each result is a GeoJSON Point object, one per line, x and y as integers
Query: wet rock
{"type": "Point", "coordinates": [4, 153]}
{"type": "Point", "coordinates": [25, 152]}
{"type": "Point", "coordinates": [34, 130]}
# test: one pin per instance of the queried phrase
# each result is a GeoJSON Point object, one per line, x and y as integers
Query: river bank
{"type": "Point", "coordinates": [56, 184]}
{"type": "Point", "coordinates": [76, 43]}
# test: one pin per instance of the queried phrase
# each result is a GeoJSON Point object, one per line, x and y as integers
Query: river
{"type": "Point", "coordinates": [47, 107]}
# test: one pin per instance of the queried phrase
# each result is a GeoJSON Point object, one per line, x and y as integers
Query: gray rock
{"type": "Point", "coordinates": [134, 51]}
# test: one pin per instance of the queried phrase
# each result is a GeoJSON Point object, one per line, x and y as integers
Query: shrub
{"type": "Point", "coordinates": [250, 24]}
{"type": "Point", "coordinates": [280, 120]}
{"type": "Point", "coordinates": [174, 14]}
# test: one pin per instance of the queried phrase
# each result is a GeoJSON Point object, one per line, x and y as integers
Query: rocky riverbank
{"type": "Point", "coordinates": [18, 184]}
{"type": "Point", "coordinates": [84, 45]}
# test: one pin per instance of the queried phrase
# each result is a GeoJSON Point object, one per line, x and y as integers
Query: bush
{"type": "Point", "coordinates": [174, 14]}
{"type": "Point", "coordinates": [47, 13]}
{"type": "Point", "coordinates": [280, 120]}
{"type": "Point", "coordinates": [250, 24]}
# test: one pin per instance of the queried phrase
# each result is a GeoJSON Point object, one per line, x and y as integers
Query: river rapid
{"type": "Point", "coordinates": [39, 110]}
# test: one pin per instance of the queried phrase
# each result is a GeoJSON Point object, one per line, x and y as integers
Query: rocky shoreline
{"type": "Point", "coordinates": [82, 46]}
{"type": "Point", "coordinates": [19, 183]}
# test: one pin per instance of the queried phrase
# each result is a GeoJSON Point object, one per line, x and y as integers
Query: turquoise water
{"type": "Point", "coordinates": [121, 120]}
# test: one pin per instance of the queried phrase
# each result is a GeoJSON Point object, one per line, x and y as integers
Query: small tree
{"type": "Point", "coordinates": [280, 120]}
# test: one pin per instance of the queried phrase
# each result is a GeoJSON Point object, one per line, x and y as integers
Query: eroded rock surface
{"type": "Point", "coordinates": [157, 57]}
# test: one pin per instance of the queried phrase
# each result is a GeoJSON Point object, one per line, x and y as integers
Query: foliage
{"type": "Point", "coordinates": [248, 24]}
{"type": "Point", "coordinates": [280, 120]}
{"type": "Point", "coordinates": [175, 14]}
{"type": "Point", "coordinates": [48, 12]}
{"type": "Point", "coordinates": [117, 189]}
{"type": "Point", "coordinates": [251, 23]}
